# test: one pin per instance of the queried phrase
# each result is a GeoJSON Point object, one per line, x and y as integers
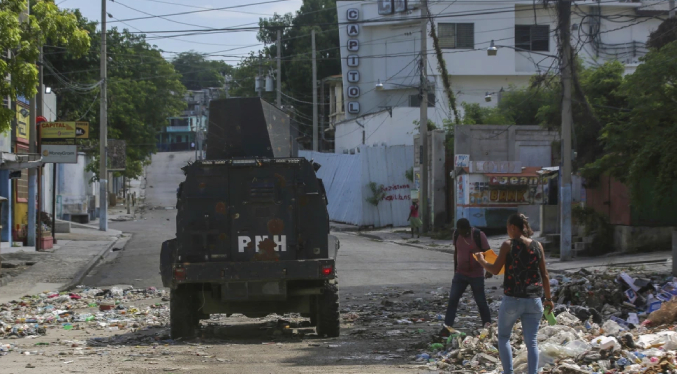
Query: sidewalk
{"type": "Point", "coordinates": [63, 267]}
{"type": "Point", "coordinates": [659, 261]}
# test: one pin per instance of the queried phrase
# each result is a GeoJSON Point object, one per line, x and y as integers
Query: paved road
{"type": "Point", "coordinates": [373, 278]}
{"type": "Point", "coordinates": [139, 263]}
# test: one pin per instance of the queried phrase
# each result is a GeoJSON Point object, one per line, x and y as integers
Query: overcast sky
{"type": "Point", "coordinates": [223, 43]}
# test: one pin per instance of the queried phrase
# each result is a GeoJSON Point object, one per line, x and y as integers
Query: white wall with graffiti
{"type": "Point", "coordinates": [347, 179]}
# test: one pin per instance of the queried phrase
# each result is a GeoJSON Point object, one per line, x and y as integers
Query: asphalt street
{"type": "Point", "coordinates": [363, 263]}
{"type": "Point", "coordinates": [139, 263]}
{"type": "Point", "coordinates": [380, 282]}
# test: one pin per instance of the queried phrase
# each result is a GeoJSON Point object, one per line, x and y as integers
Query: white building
{"type": "Point", "coordinates": [380, 52]}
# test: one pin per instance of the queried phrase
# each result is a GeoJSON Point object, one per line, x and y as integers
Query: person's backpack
{"type": "Point", "coordinates": [476, 235]}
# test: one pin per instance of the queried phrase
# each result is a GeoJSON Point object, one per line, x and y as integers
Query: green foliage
{"type": "Point", "coordinates": [244, 75]}
{"type": "Point", "coordinates": [665, 34]}
{"type": "Point", "coordinates": [378, 193]}
{"type": "Point", "coordinates": [46, 24]}
{"type": "Point", "coordinates": [197, 72]}
{"type": "Point", "coordinates": [474, 114]}
{"type": "Point", "coordinates": [296, 52]}
{"type": "Point", "coordinates": [143, 91]}
{"type": "Point", "coordinates": [641, 139]}
{"type": "Point", "coordinates": [540, 104]}
{"type": "Point", "coordinates": [431, 125]}
{"type": "Point", "coordinates": [409, 174]}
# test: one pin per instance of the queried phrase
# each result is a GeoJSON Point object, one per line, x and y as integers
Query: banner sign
{"type": "Point", "coordinates": [57, 130]}
{"type": "Point", "coordinates": [59, 154]}
{"type": "Point", "coordinates": [57, 141]}
{"type": "Point", "coordinates": [82, 130]}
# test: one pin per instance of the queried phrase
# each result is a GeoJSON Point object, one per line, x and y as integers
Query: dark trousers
{"type": "Point", "coordinates": [458, 286]}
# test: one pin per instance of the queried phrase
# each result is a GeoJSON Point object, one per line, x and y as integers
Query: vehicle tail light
{"type": "Point", "coordinates": [180, 274]}
{"type": "Point", "coordinates": [327, 270]}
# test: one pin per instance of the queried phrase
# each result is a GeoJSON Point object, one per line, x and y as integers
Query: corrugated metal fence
{"type": "Point", "coordinates": [346, 178]}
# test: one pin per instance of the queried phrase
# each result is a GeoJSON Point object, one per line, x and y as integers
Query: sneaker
{"type": "Point", "coordinates": [487, 325]}
{"type": "Point", "coordinates": [445, 333]}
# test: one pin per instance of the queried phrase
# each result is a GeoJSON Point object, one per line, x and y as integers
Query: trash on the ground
{"type": "Point", "coordinates": [92, 308]}
{"type": "Point", "coordinates": [606, 322]}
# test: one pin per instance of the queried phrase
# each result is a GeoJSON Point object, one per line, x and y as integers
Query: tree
{"type": "Point", "coordinates": [143, 91]}
{"type": "Point", "coordinates": [666, 33]}
{"type": "Point", "coordinates": [46, 24]}
{"type": "Point", "coordinates": [540, 104]}
{"type": "Point", "coordinates": [320, 15]}
{"type": "Point", "coordinates": [197, 72]}
{"type": "Point", "coordinates": [474, 114]}
{"type": "Point", "coordinates": [641, 141]}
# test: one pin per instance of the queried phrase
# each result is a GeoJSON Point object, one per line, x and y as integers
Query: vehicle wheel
{"type": "Point", "coordinates": [183, 316]}
{"type": "Point", "coordinates": [328, 320]}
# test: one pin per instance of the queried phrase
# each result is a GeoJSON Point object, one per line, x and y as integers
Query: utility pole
{"type": "Point", "coordinates": [260, 77]}
{"type": "Point", "coordinates": [103, 129]}
{"type": "Point", "coordinates": [279, 68]}
{"type": "Point", "coordinates": [315, 130]}
{"type": "Point", "coordinates": [32, 172]}
{"type": "Point", "coordinates": [40, 102]}
{"type": "Point", "coordinates": [423, 121]}
{"type": "Point", "coordinates": [567, 66]}
{"type": "Point", "coordinates": [671, 5]}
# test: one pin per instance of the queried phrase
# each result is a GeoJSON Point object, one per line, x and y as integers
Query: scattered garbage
{"type": "Point", "coordinates": [604, 322]}
{"type": "Point", "coordinates": [33, 316]}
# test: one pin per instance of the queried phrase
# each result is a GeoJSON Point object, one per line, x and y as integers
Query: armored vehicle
{"type": "Point", "coordinates": [252, 228]}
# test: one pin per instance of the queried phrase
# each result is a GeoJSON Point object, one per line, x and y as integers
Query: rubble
{"type": "Point", "coordinates": [601, 328]}
{"type": "Point", "coordinates": [89, 308]}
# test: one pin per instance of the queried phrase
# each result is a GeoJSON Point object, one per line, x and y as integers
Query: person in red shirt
{"type": "Point", "coordinates": [467, 271]}
{"type": "Point", "coordinates": [414, 221]}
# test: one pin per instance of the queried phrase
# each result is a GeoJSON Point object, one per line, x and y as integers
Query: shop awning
{"type": "Point", "coordinates": [531, 171]}
{"type": "Point", "coordinates": [11, 161]}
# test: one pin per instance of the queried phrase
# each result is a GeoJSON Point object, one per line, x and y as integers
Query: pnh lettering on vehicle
{"type": "Point", "coordinates": [244, 242]}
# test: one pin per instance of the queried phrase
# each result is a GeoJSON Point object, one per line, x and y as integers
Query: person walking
{"type": "Point", "coordinates": [467, 241]}
{"type": "Point", "coordinates": [414, 221]}
{"type": "Point", "coordinates": [525, 281]}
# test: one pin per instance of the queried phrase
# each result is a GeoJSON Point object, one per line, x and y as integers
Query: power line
{"type": "Point", "coordinates": [152, 15]}
{"type": "Point", "coordinates": [203, 10]}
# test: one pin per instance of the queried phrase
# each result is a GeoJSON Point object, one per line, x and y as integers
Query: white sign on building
{"type": "Point", "coordinates": [59, 154]}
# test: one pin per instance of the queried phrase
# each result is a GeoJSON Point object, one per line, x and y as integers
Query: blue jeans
{"type": "Point", "coordinates": [530, 311]}
{"type": "Point", "coordinates": [458, 286]}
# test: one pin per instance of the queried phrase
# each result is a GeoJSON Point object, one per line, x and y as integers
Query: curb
{"type": "Point", "coordinates": [375, 237]}
{"type": "Point", "coordinates": [90, 265]}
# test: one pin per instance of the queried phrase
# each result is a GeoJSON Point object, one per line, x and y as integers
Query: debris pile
{"type": "Point", "coordinates": [92, 308]}
{"type": "Point", "coordinates": [606, 323]}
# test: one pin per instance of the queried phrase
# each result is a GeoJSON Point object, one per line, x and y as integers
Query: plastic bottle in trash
{"type": "Point", "coordinates": [549, 316]}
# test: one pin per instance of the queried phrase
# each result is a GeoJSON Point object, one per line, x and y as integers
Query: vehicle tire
{"type": "Point", "coordinates": [328, 320]}
{"type": "Point", "coordinates": [183, 314]}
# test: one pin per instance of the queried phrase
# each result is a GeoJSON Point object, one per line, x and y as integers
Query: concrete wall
{"type": "Point", "coordinates": [438, 177]}
{"type": "Point", "coordinates": [639, 239]}
{"type": "Point", "coordinates": [74, 188]}
{"type": "Point", "coordinates": [347, 176]}
{"type": "Point", "coordinates": [531, 145]}
{"type": "Point", "coordinates": [549, 219]}
{"type": "Point", "coordinates": [381, 127]}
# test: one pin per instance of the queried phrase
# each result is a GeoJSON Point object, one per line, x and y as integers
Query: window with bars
{"type": "Point", "coordinates": [456, 35]}
{"type": "Point", "coordinates": [532, 37]}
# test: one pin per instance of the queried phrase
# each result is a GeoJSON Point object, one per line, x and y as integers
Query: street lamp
{"type": "Point", "coordinates": [379, 85]}
{"type": "Point", "coordinates": [493, 50]}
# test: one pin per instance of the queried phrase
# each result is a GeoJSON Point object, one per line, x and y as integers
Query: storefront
{"type": "Point", "coordinates": [20, 185]}
{"type": "Point", "coordinates": [488, 199]}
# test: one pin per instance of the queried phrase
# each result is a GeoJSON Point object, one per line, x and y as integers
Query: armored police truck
{"type": "Point", "coordinates": [252, 228]}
